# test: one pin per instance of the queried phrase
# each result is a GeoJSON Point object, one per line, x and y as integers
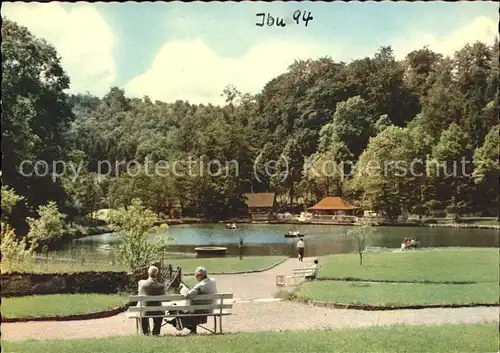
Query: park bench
{"type": "Point", "coordinates": [372, 249]}
{"type": "Point", "coordinates": [176, 302]}
{"type": "Point", "coordinates": [300, 274]}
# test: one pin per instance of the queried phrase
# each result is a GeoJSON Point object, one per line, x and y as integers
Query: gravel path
{"type": "Point", "coordinates": [257, 316]}
{"type": "Point", "coordinates": [260, 284]}
{"type": "Point", "coordinates": [250, 315]}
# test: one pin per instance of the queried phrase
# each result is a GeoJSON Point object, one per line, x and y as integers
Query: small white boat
{"type": "Point", "coordinates": [293, 234]}
{"type": "Point", "coordinates": [105, 247]}
{"type": "Point", "coordinates": [231, 226]}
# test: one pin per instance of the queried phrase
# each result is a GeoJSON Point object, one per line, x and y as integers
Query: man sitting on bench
{"type": "Point", "coordinates": [206, 285]}
{"type": "Point", "coordinates": [151, 287]}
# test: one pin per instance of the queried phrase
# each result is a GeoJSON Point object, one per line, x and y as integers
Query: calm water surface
{"type": "Point", "coordinates": [268, 239]}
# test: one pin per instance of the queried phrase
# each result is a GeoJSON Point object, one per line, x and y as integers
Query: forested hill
{"type": "Point", "coordinates": [427, 106]}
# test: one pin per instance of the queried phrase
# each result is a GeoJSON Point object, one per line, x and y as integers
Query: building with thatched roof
{"type": "Point", "coordinates": [333, 205]}
{"type": "Point", "coordinates": [262, 204]}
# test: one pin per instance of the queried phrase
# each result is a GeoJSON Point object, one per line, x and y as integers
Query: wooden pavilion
{"type": "Point", "coordinates": [333, 206]}
{"type": "Point", "coordinates": [261, 205]}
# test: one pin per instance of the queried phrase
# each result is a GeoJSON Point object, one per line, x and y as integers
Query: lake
{"type": "Point", "coordinates": [268, 239]}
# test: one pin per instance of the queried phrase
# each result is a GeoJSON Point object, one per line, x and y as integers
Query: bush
{"type": "Point", "coordinates": [9, 200]}
{"type": "Point", "coordinates": [16, 256]}
{"type": "Point", "coordinates": [48, 227]}
{"type": "Point", "coordinates": [286, 295]}
{"type": "Point", "coordinates": [134, 224]}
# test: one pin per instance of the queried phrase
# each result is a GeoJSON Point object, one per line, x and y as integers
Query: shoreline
{"type": "Point", "coordinates": [188, 220]}
{"type": "Point", "coordinates": [174, 222]}
{"type": "Point", "coordinates": [68, 237]}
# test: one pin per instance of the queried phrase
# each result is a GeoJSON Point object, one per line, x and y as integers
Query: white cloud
{"type": "Point", "coordinates": [190, 70]}
{"type": "Point", "coordinates": [481, 28]}
{"type": "Point", "coordinates": [81, 37]}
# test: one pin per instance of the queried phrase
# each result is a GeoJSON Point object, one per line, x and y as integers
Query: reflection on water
{"type": "Point", "coordinates": [268, 239]}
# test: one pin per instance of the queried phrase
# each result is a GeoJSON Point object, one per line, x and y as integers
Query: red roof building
{"type": "Point", "coordinates": [333, 205]}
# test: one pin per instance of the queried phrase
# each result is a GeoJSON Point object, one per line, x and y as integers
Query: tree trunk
{"type": "Point", "coordinates": [361, 258]}
{"type": "Point", "coordinates": [339, 188]}
{"type": "Point", "coordinates": [181, 201]}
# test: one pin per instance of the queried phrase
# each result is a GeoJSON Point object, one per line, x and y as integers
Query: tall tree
{"type": "Point", "coordinates": [487, 172]}
{"type": "Point", "coordinates": [389, 172]}
{"type": "Point", "coordinates": [453, 169]}
{"type": "Point", "coordinates": [36, 113]}
{"type": "Point", "coordinates": [352, 125]}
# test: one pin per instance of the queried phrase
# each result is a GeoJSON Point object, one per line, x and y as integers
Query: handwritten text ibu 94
{"type": "Point", "coordinates": [298, 17]}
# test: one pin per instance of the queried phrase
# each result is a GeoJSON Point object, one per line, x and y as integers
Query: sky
{"type": "Point", "coordinates": [191, 51]}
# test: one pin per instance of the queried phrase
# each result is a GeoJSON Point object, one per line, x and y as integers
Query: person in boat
{"type": "Point", "coordinates": [405, 244]}
{"type": "Point", "coordinates": [414, 243]}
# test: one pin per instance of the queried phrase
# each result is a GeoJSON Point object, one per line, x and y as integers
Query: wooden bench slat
{"type": "Point", "coordinates": [177, 297]}
{"type": "Point", "coordinates": [179, 307]}
{"type": "Point", "coordinates": [168, 303]}
{"type": "Point", "coordinates": [135, 315]}
{"type": "Point", "coordinates": [156, 298]}
{"type": "Point", "coordinates": [303, 272]}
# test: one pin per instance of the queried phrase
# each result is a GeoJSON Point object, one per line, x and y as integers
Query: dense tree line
{"type": "Point", "coordinates": [318, 113]}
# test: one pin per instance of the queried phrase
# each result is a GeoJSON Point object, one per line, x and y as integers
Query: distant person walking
{"type": "Point", "coordinates": [301, 249]}
{"type": "Point", "coordinates": [241, 248]}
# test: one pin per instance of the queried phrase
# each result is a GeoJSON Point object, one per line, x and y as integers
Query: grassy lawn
{"type": "Point", "coordinates": [401, 294]}
{"type": "Point", "coordinates": [464, 220]}
{"type": "Point", "coordinates": [228, 265]}
{"type": "Point", "coordinates": [401, 339]}
{"type": "Point", "coordinates": [59, 304]}
{"type": "Point", "coordinates": [214, 265]}
{"type": "Point", "coordinates": [485, 222]}
{"type": "Point", "coordinates": [466, 264]}
{"type": "Point", "coordinates": [67, 267]}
